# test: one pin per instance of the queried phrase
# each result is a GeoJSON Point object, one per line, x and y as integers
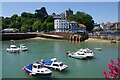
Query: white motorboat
{"type": "Point", "coordinates": [23, 47]}
{"type": "Point", "coordinates": [98, 49]}
{"type": "Point", "coordinates": [55, 64]}
{"type": "Point", "coordinates": [37, 69]}
{"type": "Point", "coordinates": [12, 48]}
{"type": "Point", "coordinates": [78, 54]}
{"type": "Point", "coordinates": [87, 52]}
{"type": "Point", "coordinates": [81, 53]}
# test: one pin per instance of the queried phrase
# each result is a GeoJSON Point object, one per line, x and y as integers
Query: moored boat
{"type": "Point", "coordinates": [98, 49]}
{"type": "Point", "coordinates": [54, 64]}
{"type": "Point", "coordinates": [12, 48]}
{"type": "Point", "coordinates": [87, 52]}
{"type": "Point", "coordinates": [23, 47]}
{"type": "Point", "coordinates": [77, 54]}
{"type": "Point", "coordinates": [81, 53]}
{"type": "Point", "coordinates": [37, 69]}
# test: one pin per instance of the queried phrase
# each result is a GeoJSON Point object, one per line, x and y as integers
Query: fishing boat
{"type": "Point", "coordinates": [78, 54]}
{"type": "Point", "coordinates": [37, 69]}
{"type": "Point", "coordinates": [23, 47]}
{"type": "Point", "coordinates": [12, 48]}
{"type": "Point", "coordinates": [54, 64]}
{"type": "Point", "coordinates": [97, 49]}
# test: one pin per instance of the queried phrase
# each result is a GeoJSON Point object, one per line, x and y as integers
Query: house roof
{"type": "Point", "coordinates": [73, 22]}
{"type": "Point", "coordinates": [81, 25]}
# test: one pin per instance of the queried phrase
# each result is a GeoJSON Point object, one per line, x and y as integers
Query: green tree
{"type": "Point", "coordinates": [24, 14]}
{"type": "Point", "coordinates": [13, 25]}
{"type": "Point", "coordinates": [13, 18]}
{"type": "Point", "coordinates": [25, 28]}
{"type": "Point", "coordinates": [18, 19]}
{"type": "Point", "coordinates": [50, 19]}
{"type": "Point", "coordinates": [44, 26]}
{"type": "Point", "coordinates": [50, 26]}
{"type": "Point", "coordinates": [36, 26]}
{"type": "Point", "coordinates": [83, 18]}
{"type": "Point", "coordinates": [6, 22]}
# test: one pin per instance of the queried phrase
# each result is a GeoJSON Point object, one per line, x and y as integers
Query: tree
{"type": "Point", "coordinates": [13, 18]}
{"type": "Point", "coordinates": [25, 28]}
{"type": "Point", "coordinates": [44, 26]}
{"type": "Point", "coordinates": [114, 72]}
{"type": "Point", "coordinates": [18, 19]}
{"type": "Point", "coordinates": [24, 14]}
{"type": "Point", "coordinates": [36, 26]}
{"type": "Point", "coordinates": [13, 25]}
{"type": "Point", "coordinates": [50, 26]}
{"type": "Point", "coordinates": [50, 19]}
{"type": "Point", "coordinates": [83, 18]}
{"type": "Point", "coordinates": [6, 22]}
{"type": "Point", "coordinates": [41, 12]}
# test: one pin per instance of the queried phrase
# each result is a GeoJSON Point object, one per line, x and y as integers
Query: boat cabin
{"type": "Point", "coordinates": [13, 46]}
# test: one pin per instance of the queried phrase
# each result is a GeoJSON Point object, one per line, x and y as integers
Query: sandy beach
{"type": "Point", "coordinates": [93, 40]}
{"type": "Point", "coordinates": [90, 40]}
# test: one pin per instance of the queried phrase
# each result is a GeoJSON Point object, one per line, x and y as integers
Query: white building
{"type": "Point", "coordinates": [73, 26]}
{"type": "Point", "coordinates": [61, 25]}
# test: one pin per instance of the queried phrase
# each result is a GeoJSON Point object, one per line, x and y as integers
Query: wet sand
{"type": "Point", "coordinates": [93, 40]}
{"type": "Point", "coordinates": [90, 40]}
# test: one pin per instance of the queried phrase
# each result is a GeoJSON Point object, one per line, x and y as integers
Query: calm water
{"type": "Point", "coordinates": [41, 49]}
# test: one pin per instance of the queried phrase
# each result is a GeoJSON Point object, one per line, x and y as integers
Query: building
{"type": "Point", "coordinates": [56, 16]}
{"type": "Point", "coordinates": [116, 25]}
{"type": "Point", "coordinates": [61, 25]}
{"type": "Point", "coordinates": [66, 13]}
{"type": "Point", "coordinates": [82, 27]}
{"type": "Point", "coordinates": [96, 26]}
{"type": "Point", "coordinates": [73, 26]}
{"type": "Point", "coordinates": [106, 26]}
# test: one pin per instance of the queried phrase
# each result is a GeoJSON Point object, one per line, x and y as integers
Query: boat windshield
{"type": "Point", "coordinates": [14, 47]}
{"type": "Point", "coordinates": [39, 66]}
{"type": "Point", "coordinates": [80, 54]}
{"type": "Point", "coordinates": [61, 64]}
{"type": "Point", "coordinates": [34, 66]}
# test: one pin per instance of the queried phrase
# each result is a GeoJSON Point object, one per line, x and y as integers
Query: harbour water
{"type": "Point", "coordinates": [13, 63]}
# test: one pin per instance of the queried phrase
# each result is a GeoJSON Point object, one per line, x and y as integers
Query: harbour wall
{"type": "Point", "coordinates": [16, 36]}
{"type": "Point", "coordinates": [106, 36]}
{"type": "Point", "coordinates": [60, 36]}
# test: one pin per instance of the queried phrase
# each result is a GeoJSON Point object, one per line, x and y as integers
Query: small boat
{"type": "Point", "coordinates": [78, 54]}
{"type": "Point", "coordinates": [12, 41]}
{"type": "Point", "coordinates": [54, 64]}
{"type": "Point", "coordinates": [37, 69]}
{"type": "Point", "coordinates": [23, 47]}
{"type": "Point", "coordinates": [98, 49]}
{"type": "Point", "coordinates": [87, 52]}
{"type": "Point", "coordinates": [81, 53]}
{"type": "Point", "coordinates": [12, 48]}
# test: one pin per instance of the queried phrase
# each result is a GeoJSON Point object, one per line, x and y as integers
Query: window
{"type": "Point", "coordinates": [56, 65]}
{"type": "Point", "coordinates": [61, 64]}
{"type": "Point", "coordinates": [34, 66]}
{"type": "Point", "coordinates": [38, 66]}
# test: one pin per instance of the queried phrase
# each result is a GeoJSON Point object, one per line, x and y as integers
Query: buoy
{"type": "Point", "coordinates": [59, 69]}
{"type": "Point", "coordinates": [30, 74]}
{"type": "Point", "coordinates": [16, 52]}
{"type": "Point", "coordinates": [23, 69]}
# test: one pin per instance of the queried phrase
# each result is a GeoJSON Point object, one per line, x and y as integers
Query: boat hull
{"type": "Point", "coordinates": [78, 57]}
{"type": "Point", "coordinates": [47, 75]}
{"type": "Point", "coordinates": [13, 51]}
{"type": "Point", "coordinates": [47, 66]}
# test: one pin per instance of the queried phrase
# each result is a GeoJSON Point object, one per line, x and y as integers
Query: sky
{"type": "Point", "coordinates": [100, 11]}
